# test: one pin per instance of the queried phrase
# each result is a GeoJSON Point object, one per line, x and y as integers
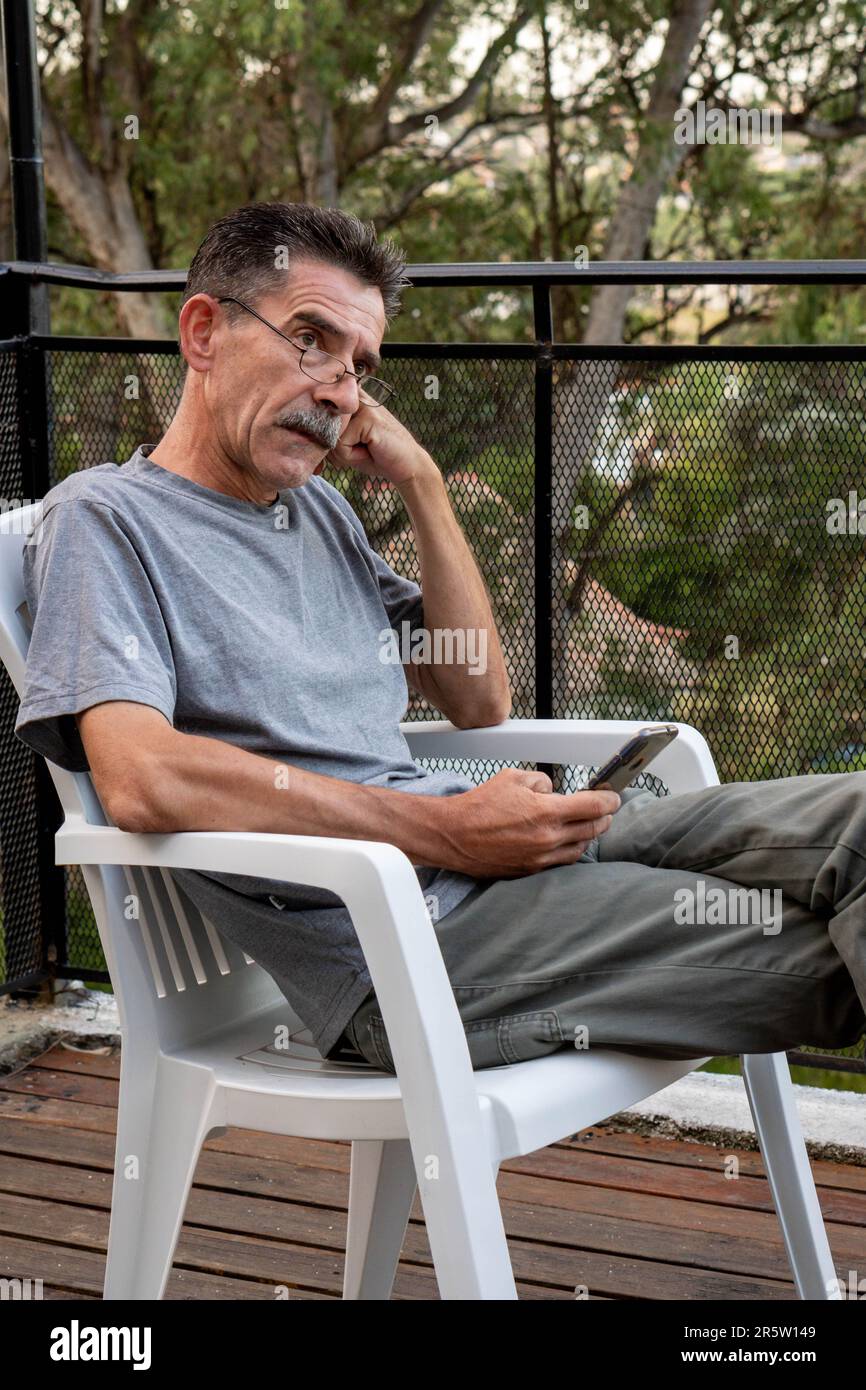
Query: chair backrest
{"type": "Point", "coordinates": [173, 975]}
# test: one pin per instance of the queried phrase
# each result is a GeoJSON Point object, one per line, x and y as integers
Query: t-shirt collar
{"type": "Point", "coordinates": [141, 465]}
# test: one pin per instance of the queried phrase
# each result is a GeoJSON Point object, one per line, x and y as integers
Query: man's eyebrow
{"type": "Point", "coordinates": [318, 321]}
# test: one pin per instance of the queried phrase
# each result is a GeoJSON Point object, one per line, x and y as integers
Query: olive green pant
{"type": "Point", "coordinates": [651, 944]}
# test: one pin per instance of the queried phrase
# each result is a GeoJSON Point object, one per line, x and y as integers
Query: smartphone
{"type": "Point", "coordinates": [621, 770]}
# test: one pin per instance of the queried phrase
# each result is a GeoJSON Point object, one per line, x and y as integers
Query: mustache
{"type": "Point", "coordinates": [324, 431]}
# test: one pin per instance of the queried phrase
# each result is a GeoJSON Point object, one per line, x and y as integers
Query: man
{"type": "Point", "coordinates": [207, 639]}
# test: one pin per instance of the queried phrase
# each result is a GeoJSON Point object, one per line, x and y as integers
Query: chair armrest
{"type": "Point", "coordinates": [381, 891]}
{"type": "Point", "coordinates": [685, 765]}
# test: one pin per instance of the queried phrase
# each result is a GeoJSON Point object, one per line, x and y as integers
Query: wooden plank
{"type": "Point", "coordinates": [334, 1154]}
{"type": "Point", "coordinates": [37, 1219]}
{"type": "Point", "coordinates": [672, 1212]}
{"type": "Point", "coordinates": [544, 1267]}
{"type": "Point", "coordinates": [534, 1210]}
{"type": "Point", "coordinates": [55, 1182]}
{"type": "Point", "coordinates": [272, 1265]}
{"type": "Point", "coordinates": [573, 1166]}
{"type": "Point", "coordinates": [692, 1154]}
{"type": "Point", "coordinates": [49, 1294]}
{"type": "Point", "coordinates": [738, 1252]}
{"type": "Point", "coordinates": [306, 1183]}
{"type": "Point", "coordinates": [59, 1143]}
{"type": "Point", "coordinates": [190, 1285]}
{"type": "Point", "coordinates": [82, 1272]}
{"type": "Point", "coordinates": [63, 1085]}
{"type": "Point", "coordinates": [60, 1113]}
{"type": "Point", "coordinates": [288, 1228]}
{"type": "Point", "coordinates": [65, 1056]}
{"type": "Point", "coordinates": [84, 1226]}
{"type": "Point", "coordinates": [95, 1148]}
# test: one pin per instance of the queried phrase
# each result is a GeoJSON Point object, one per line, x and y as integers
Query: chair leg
{"type": "Point", "coordinates": [771, 1099]}
{"type": "Point", "coordinates": [467, 1235]}
{"type": "Point", "coordinates": [382, 1186]}
{"type": "Point", "coordinates": [165, 1115]}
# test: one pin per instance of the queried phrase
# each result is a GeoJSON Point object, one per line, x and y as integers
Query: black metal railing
{"type": "Point", "coordinates": [651, 522]}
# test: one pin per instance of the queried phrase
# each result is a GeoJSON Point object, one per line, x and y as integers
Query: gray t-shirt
{"type": "Point", "coordinates": [257, 624]}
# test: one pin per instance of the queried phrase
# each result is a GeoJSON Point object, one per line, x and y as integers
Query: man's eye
{"type": "Point", "coordinates": [305, 333]}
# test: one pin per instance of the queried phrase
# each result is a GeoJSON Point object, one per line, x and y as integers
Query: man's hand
{"type": "Point", "coordinates": [374, 442]}
{"type": "Point", "coordinates": [515, 824]}
{"type": "Point", "coordinates": [455, 598]}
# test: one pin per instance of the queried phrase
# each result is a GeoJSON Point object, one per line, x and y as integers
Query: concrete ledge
{"type": "Point", "coordinates": [28, 1029]}
{"type": "Point", "coordinates": [712, 1108]}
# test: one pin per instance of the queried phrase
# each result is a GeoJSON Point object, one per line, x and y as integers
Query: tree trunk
{"type": "Point", "coordinates": [657, 158]}
{"type": "Point", "coordinates": [585, 388]}
{"type": "Point", "coordinates": [98, 203]}
{"type": "Point", "coordinates": [314, 125]}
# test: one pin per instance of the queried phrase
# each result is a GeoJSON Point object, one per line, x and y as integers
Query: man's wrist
{"type": "Point", "coordinates": [435, 840]}
{"type": "Point", "coordinates": [423, 822]}
{"type": "Point", "coordinates": [424, 481]}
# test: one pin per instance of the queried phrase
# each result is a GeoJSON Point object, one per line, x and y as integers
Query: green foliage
{"type": "Point", "coordinates": [729, 536]}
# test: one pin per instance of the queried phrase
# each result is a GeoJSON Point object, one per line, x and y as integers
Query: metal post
{"type": "Point", "coordinates": [25, 138]}
{"type": "Point", "coordinates": [543, 502]}
{"type": "Point", "coordinates": [29, 306]}
{"type": "Point", "coordinates": [543, 509]}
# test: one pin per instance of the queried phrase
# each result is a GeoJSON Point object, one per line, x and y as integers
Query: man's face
{"type": "Point", "coordinates": [261, 404]}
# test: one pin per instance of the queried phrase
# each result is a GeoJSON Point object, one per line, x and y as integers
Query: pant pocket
{"type": "Point", "coordinates": [523, 1036]}
{"type": "Point", "coordinates": [378, 1045]}
{"type": "Point", "coordinates": [482, 1038]}
{"type": "Point", "coordinates": [492, 1042]}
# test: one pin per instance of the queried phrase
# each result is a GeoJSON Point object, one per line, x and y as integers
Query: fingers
{"type": "Point", "coordinates": [563, 854]}
{"type": "Point", "coordinates": [568, 851]}
{"type": "Point", "coordinates": [535, 781]}
{"type": "Point", "coordinates": [590, 805]}
{"type": "Point", "coordinates": [573, 832]}
{"type": "Point", "coordinates": [599, 826]}
{"type": "Point", "coordinates": [571, 806]}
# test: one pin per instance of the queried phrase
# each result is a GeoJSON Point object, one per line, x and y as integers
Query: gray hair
{"type": "Point", "coordinates": [239, 254]}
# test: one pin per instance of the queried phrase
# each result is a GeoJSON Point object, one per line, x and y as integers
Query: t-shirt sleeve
{"type": "Point", "coordinates": [98, 632]}
{"type": "Point", "coordinates": [401, 597]}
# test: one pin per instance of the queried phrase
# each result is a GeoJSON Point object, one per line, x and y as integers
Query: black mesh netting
{"type": "Point", "coordinates": [21, 931]}
{"type": "Point", "coordinates": [708, 565]}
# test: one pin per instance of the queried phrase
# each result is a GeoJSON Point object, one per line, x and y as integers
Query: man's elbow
{"type": "Point", "coordinates": [132, 810]}
{"type": "Point", "coordinates": [483, 714]}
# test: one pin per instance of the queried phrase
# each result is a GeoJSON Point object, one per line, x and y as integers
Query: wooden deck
{"type": "Point", "coordinates": [628, 1216]}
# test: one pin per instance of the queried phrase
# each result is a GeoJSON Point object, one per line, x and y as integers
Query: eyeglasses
{"type": "Point", "coordinates": [323, 366]}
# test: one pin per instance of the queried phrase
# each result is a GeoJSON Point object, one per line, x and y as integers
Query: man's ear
{"type": "Point", "coordinates": [319, 466]}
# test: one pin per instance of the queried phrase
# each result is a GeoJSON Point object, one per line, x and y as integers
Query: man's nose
{"type": "Point", "coordinates": [343, 395]}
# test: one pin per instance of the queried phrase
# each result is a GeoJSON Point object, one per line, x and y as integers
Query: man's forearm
{"type": "Point", "coordinates": [455, 599]}
{"type": "Point", "coordinates": [168, 781]}
{"type": "Point", "coordinates": [198, 783]}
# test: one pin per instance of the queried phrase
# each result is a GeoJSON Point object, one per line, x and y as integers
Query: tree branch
{"type": "Point", "coordinates": [376, 134]}
{"type": "Point", "coordinates": [409, 46]}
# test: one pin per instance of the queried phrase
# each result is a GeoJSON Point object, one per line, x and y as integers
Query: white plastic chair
{"type": "Point", "coordinates": [199, 1021]}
